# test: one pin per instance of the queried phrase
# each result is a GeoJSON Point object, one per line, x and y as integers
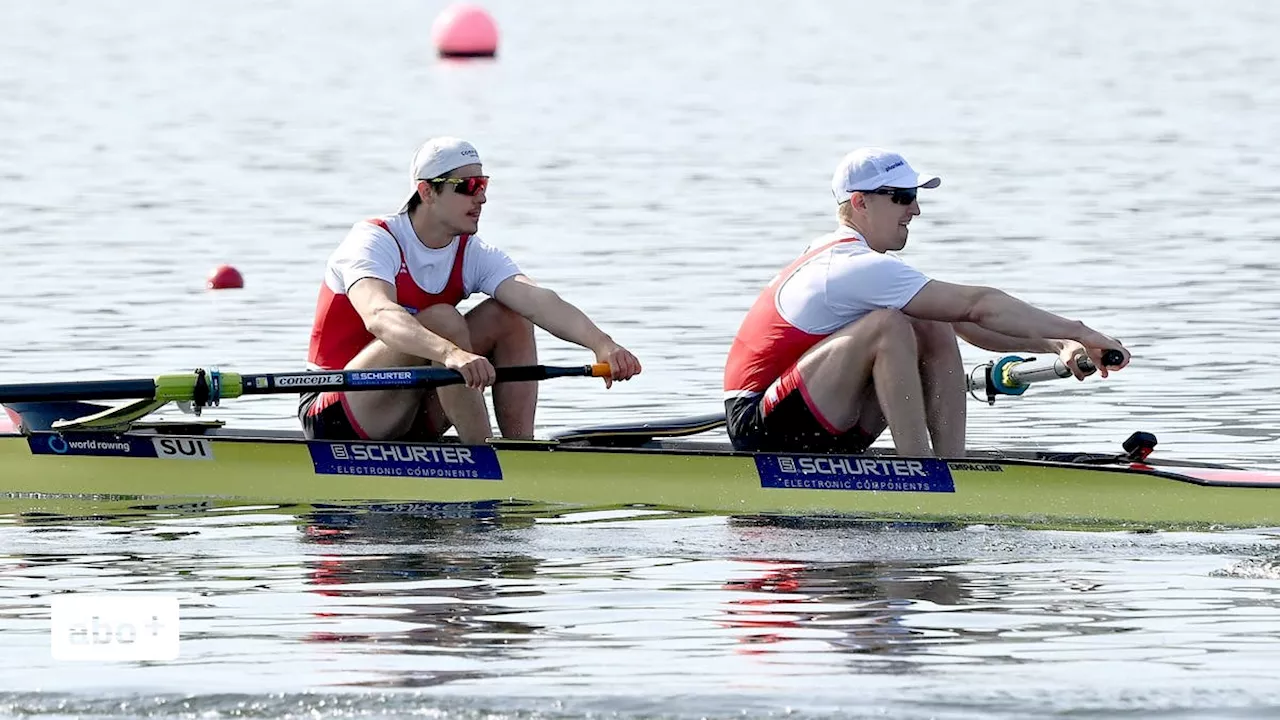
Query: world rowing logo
{"type": "Point", "coordinates": [58, 445]}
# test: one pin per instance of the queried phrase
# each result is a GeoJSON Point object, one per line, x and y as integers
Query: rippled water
{"type": "Point", "coordinates": [656, 163]}
{"type": "Point", "coordinates": [291, 615]}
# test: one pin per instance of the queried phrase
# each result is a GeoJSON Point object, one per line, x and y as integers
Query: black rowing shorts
{"type": "Point", "coordinates": [787, 425]}
{"type": "Point", "coordinates": [324, 416]}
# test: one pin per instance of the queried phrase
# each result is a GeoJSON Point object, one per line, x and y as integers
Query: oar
{"type": "Point", "coordinates": [1012, 374]}
{"type": "Point", "coordinates": [207, 387]}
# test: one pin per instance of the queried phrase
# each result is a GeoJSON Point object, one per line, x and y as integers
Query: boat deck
{"type": "Point", "coordinates": [661, 465]}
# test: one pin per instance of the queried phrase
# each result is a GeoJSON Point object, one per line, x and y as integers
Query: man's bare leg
{"type": "Point", "coordinates": [943, 379]}
{"type": "Point", "coordinates": [506, 338]}
{"type": "Point", "coordinates": [385, 414]}
{"type": "Point", "coordinates": [877, 351]}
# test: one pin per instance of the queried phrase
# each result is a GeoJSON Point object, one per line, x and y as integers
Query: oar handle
{"type": "Point", "coordinates": [1012, 375]}
{"type": "Point", "coordinates": [1030, 372]}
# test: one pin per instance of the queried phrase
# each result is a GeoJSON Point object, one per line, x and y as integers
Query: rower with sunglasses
{"type": "Point", "coordinates": [389, 299]}
{"type": "Point", "coordinates": [849, 340]}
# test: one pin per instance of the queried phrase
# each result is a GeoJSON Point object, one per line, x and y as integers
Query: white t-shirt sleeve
{"type": "Point", "coordinates": [368, 251]}
{"type": "Point", "coordinates": [872, 282]}
{"type": "Point", "coordinates": [485, 267]}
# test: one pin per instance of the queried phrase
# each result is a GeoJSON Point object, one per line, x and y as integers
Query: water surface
{"type": "Point", "coordinates": [655, 163]}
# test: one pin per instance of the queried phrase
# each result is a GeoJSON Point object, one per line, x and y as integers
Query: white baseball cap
{"type": "Point", "coordinates": [435, 158]}
{"type": "Point", "coordinates": [874, 168]}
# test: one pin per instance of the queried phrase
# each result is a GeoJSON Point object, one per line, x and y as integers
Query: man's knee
{"type": "Point", "coordinates": [493, 323]}
{"type": "Point", "coordinates": [448, 323]}
{"type": "Point", "coordinates": [935, 337]}
{"type": "Point", "coordinates": [877, 331]}
{"type": "Point", "coordinates": [891, 328]}
{"type": "Point", "coordinates": [508, 320]}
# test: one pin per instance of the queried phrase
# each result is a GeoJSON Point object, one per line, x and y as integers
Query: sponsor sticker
{"type": "Point", "coordinates": [367, 378]}
{"type": "Point", "coordinates": [308, 380]}
{"type": "Point", "coordinates": [100, 445]}
{"type": "Point", "coordinates": [849, 472]}
{"type": "Point", "coordinates": [394, 459]}
{"type": "Point", "coordinates": [976, 467]}
{"type": "Point", "coordinates": [90, 444]}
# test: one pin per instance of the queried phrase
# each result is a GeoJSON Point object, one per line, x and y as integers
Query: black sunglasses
{"type": "Point", "coordinates": [901, 196]}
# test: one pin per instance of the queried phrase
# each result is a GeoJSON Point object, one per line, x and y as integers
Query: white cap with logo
{"type": "Point", "coordinates": [435, 158]}
{"type": "Point", "coordinates": [874, 168]}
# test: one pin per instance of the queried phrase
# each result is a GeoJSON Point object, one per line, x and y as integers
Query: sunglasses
{"type": "Point", "coordinates": [900, 196]}
{"type": "Point", "coordinates": [470, 186]}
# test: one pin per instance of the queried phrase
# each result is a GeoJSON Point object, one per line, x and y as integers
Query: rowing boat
{"type": "Point", "coordinates": [69, 453]}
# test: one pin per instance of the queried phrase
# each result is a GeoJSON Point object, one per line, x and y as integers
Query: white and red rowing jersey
{"type": "Point", "coordinates": [387, 248]}
{"type": "Point", "coordinates": [836, 281]}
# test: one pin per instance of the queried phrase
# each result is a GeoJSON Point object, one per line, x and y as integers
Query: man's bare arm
{"type": "Point", "coordinates": [998, 312]}
{"type": "Point", "coordinates": [546, 309]}
{"type": "Point", "coordinates": [999, 342]}
{"type": "Point", "coordinates": [375, 301]}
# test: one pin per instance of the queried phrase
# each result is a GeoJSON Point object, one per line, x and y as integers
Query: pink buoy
{"type": "Point", "coordinates": [465, 31]}
{"type": "Point", "coordinates": [225, 277]}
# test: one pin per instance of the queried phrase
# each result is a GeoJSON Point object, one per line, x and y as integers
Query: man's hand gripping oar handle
{"type": "Point", "coordinates": [1012, 375]}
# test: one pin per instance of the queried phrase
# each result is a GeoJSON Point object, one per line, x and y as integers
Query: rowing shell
{"type": "Point", "coordinates": [199, 463]}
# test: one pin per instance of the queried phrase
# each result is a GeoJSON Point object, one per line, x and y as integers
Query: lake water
{"type": "Point", "coordinates": [655, 163]}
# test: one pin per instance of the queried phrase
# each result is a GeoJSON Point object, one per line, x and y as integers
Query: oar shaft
{"type": "Point", "coordinates": [1041, 370]}
{"type": "Point", "coordinates": [404, 378]}
{"type": "Point", "coordinates": [207, 387]}
{"type": "Point", "coordinates": [85, 390]}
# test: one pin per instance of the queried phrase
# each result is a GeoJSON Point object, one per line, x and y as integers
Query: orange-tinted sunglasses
{"type": "Point", "coordinates": [470, 186]}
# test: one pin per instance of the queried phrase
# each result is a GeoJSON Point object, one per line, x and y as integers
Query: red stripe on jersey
{"type": "Point", "coordinates": [338, 334]}
{"type": "Point", "coordinates": [766, 344]}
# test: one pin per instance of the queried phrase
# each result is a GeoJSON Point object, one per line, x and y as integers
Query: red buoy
{"type": "Point", "coordinates": [465, 31]}
{"type": "Point", "coordinates": [225, 277]}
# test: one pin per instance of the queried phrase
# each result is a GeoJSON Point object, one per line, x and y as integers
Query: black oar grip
{"type": "Point", "coordinates": [1110, 358]}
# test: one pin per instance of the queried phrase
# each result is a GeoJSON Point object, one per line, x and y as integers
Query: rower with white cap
{"type": "Point", "coordinates": [849, 340]}
{"type": "Point", "coordinates": [389, 299]}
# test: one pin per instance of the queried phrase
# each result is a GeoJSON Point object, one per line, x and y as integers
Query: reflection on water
{"type": "Point", "coordinates": [486, 612]}
{"type": "Point", "coordinates": [859, 608]}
